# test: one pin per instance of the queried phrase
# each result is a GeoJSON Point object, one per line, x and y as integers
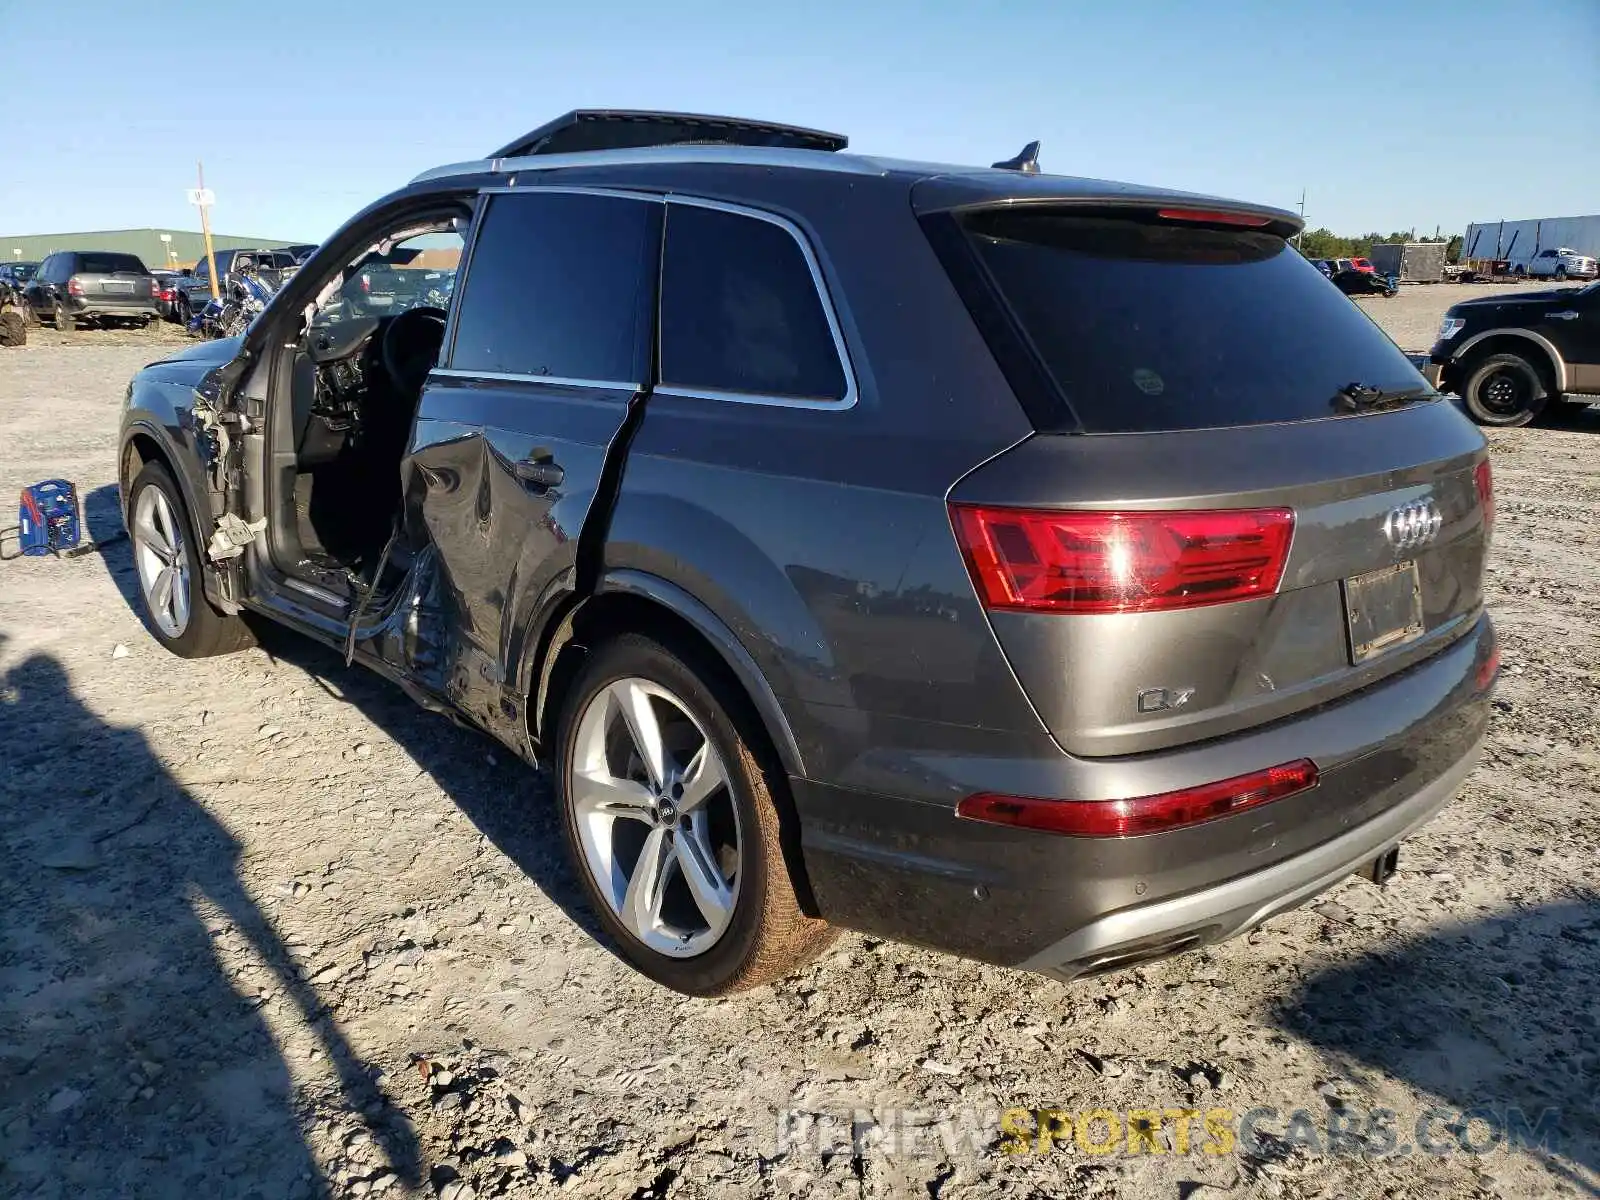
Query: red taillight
{"type": "Point", "coordinates": [1488, 669]}
{"type": "Point", "coordinates": [366, 283]}
{"type": "Point", "coordinates": [74, 287]}
{"type": "Point", "coordinates": [1483, 481]}
{"type": "Point", "coordinates": [155, 288]}
{"type": "Point", "coordinates": [1143, 814]}
{"type": "Point", "coordinates": [1206, 217]}
{"type": "Point", "coordinates": [1036, 560]}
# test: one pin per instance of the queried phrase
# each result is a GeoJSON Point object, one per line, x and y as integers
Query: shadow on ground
{"type": "Point", "coordinates": [508, 801]}
{"type": "Point", "coordinates": [103, 526]}
{"type": "Point", "coordinates": [133, 1064]}
{"type": "Point", "coordinates": [1501, 1016]}
{"type": "Point", "coordinates": [1572, 418]}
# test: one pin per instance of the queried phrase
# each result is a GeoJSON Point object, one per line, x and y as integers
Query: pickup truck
{"type": "Point", "coordinates": [194, 287]}
{"type": "Point", "coordinates": [384, 286]}
{"type": "Point", "coordinates": [1559, 262]}
{"type": "Point", "coordinates": [1511, 357]}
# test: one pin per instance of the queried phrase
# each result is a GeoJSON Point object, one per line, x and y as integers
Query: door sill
{"type": "Point", "coordinates": [315, 592]}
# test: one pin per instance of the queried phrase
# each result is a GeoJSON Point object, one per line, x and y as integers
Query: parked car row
{"type": "Point", "coordinates": [758, 491]}
{"type": "Point", "coordinates": [1356, 276]}
{"type": "Point", "coordinates": [1332, 266]}
{"type": "Point", "coordinates": [71, 288]}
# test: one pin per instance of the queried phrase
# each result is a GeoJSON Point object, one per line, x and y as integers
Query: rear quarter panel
{"type": "Point", "coordinates": [819, 536]}
{"type": "Point", "coordinates": [846, 592]}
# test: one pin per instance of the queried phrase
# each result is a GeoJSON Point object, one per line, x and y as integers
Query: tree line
{"type": "Point", "coordinates": [1324, 243]}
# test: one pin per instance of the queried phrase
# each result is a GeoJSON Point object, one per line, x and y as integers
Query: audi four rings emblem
{"type": "Point", "coordinates": [1412, 525]}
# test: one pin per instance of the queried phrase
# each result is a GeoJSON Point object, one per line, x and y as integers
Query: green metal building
{"type": "Point", "coordinates": [186, 246]}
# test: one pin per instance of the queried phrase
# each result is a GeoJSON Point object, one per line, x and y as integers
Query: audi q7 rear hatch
{"type": "Point", "coordinates": [1243, 501]}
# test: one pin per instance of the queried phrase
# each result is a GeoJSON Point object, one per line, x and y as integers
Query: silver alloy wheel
{"type": "Point", "coordinates": [659, 829]}
{"type": "Point", "coordinates": [162, 560]}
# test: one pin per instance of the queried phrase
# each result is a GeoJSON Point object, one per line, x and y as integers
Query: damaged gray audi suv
{"type": "Point", "coordinates": [1054, 572]}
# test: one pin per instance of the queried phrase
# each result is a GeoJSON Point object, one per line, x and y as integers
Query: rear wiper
{"type": "Point", "coordinates": [1358, 397]}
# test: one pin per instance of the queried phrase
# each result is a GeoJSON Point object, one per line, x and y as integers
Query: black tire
{"type": "Point", "coordinates": [1504, 390]}
{"type": "Point", "coordinates": [1561, 273]}
{"type": "Point", "coordinates": [768, 935]}
{"type": "Point", "coordinates": [13, 329]}
{"type": "Point", "coordinates": [63, 319]}
{"type": "Point", "coordinates": [207, 632]}
{"type": "Point", "coordinates": [182, 313]}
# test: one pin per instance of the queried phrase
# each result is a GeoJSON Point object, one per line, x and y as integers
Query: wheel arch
{"type": "Point", "coordinates": [629, 601]}
{"type": "Point", "coordinates": [1538, 350]}
{"type": "Point", "coordinates": [141, 446]}
{"type": "Point", "coordinates": [636, 601]}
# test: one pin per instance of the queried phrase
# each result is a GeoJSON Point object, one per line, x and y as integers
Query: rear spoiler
{"type": "Point", "coordinates": [967, 191]}
{"type": "Point", "coordinates": [587, 129]}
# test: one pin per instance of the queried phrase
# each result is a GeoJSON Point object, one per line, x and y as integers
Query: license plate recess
{"type": "Point", "coordinates": [1383, 610]}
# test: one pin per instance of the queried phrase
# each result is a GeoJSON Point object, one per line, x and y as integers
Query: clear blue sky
{"type": "Point", "coordinates": [313, 109]}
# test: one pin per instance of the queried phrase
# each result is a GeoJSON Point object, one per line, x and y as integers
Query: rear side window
{"type": "Point", "coordinates": [740, 310]}
{"type": "Point", "coordinates": [109, 264]}
{"type": "Point", "coordinates": [1147, 326]}
{"type": "Point", "coordinates": [561, 285]}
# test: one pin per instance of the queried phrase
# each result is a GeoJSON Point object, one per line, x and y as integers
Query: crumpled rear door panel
{"type": "Point", "coordinates": [504, 476]}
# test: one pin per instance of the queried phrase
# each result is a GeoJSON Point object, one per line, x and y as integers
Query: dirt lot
{"type": "Point", "coordinates": [270, 931]}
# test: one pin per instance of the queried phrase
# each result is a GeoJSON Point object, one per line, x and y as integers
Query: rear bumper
{"type": "Point", "coordinates": [1229, 909]}
{"type": "Point", "coordinates": [1390, 756]}
{"type": "Point", "coordinates": [100, 306]}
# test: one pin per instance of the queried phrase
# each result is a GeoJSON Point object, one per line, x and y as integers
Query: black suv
{"type": "Point", "coordinates": [1046, 570]}
{"type": "Point", "coordinates": [95, 286]}
{"type": "Point", "coordinates": [1510, 357]}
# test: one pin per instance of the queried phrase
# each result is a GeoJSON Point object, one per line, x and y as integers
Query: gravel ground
{"type": "Point", "coordinates": [271, 931]}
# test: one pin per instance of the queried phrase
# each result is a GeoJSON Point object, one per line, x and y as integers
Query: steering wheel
{"type": "Point", "coordinates": [410, 347]}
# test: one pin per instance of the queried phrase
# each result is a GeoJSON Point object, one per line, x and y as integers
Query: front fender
{"type": "Point", "coordinates": [1535, 343]}
{"type": "Point", "coordinates": [159, 411]}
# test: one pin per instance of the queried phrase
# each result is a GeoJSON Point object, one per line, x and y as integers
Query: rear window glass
{"type": "Point", "coordinates": [1147, 327]}
{"type": "Point", "coordinates": [740, 310]}
{"type": "Point", "coordinates": [561, 284]}
{"type": "Point", "coordinates": [108, 264]}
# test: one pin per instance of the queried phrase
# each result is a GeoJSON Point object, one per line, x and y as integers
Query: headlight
{"type": "Point", "coordinates": [1451, 327]}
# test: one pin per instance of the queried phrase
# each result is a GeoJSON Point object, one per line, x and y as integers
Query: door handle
{"type": "Point", "coordinates": [1569, 315]}
{"type": "Point", "coordinates": [539, 472]}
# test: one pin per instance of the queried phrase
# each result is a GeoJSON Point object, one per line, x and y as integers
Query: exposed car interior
{"type": "Point", "coordinates": [354, 378]}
